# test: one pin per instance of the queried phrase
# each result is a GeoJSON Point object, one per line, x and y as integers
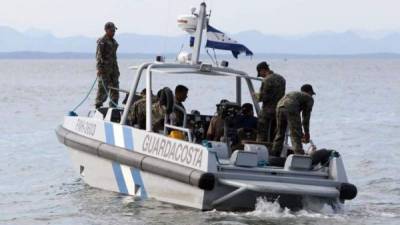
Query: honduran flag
{"type": "Point", "coordinates": [219, 40]}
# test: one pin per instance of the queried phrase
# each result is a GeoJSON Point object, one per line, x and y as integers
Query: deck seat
{"type": "Point", "coordinates": [244, 158]}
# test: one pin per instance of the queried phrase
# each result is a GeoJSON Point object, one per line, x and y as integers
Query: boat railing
{"type": "Point", "coordinates": [179, 108]}
{"type": "Point", "coordinates": [200, 69]}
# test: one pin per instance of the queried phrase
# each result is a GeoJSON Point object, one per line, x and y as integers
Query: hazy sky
{"type": "Point", "coordinates": [282, 17]}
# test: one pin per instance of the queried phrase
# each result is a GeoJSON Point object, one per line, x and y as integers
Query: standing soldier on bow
{"type": "Point", "coordinates": [272, 90]}
{"type": "Point", "coordinates": [107, 67]}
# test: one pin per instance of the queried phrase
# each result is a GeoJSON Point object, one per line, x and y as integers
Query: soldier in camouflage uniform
{"type": "Point", "coordinates": [288, 115]}
{"type": "Point", "coordinates": [271, 91]}
{"type": "Point", "coordinates": [137, 114]}
{"type": "Point", "coordinates": [107, 66]}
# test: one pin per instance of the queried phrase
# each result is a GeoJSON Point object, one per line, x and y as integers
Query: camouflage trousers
{"type": "Point", "coordinates": [292, 121]}
{"type": "Point", "coordinates": [266, 126]}
{"type": "Point", "coordinates": [108, 78]}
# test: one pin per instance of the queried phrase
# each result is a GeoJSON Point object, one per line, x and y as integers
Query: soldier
{"type": "Point", "coordinates": [181, 93]}
{"type": "Point", "coordinates": [216, 128]}
{"type": "Point", "coordinates": [272, 90]}
{"type": "Point", "coordinates": [137, 114]}
{"type": "Point", "coordinates": [107, 66]}
{"type": "Point", "coordinates": [288, 114]}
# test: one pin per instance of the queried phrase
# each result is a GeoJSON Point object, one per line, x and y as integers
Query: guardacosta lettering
{"type": "Point", "coordinates": [85, 127]}
{"type": "Point", "coordinates": [167, 149]}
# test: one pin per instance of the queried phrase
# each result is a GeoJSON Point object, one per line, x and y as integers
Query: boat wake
{"type": "Point", "coordinates": [271, 210]}
{"type": "Point", "coordinates": [267, 209]}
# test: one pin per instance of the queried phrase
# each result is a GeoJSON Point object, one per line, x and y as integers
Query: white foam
{"type": "Point", "coordinates": [266, 210]}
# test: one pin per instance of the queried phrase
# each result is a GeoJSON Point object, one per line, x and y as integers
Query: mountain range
{"type": "Point", "coordinates": [323, 43]}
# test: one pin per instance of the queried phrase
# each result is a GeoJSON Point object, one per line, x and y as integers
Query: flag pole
{"type": "Point", "coordinates": [199, 33]}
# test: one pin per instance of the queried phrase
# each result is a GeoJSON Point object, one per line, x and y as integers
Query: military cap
{"type": "Point", "coordinates": [110, 25]}
{"type": "Point", "coordinates": [307, 88]}
{"type": "Point", "coordinates": [223, 101]}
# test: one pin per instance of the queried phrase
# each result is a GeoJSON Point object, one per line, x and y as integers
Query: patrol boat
{"type": "Point", "coordinates": [190, 170]}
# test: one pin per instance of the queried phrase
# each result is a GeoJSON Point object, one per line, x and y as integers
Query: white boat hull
{"type": "Point", "coordinates": [134, 162]}
{"type": "Point", "coordinates": [113, 176]}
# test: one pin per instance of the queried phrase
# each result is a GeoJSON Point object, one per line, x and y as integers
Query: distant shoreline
{"type": "Point", "coordinates": [78, 55]}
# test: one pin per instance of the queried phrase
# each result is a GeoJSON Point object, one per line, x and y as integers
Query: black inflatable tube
{"type": "Point", "coordinates": [200, 179]}
{"type": "Point", "coordinates": [347, 191]}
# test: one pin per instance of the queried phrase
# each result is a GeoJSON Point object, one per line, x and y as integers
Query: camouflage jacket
{"type": "Point", "coordinates": [106, 53]}
{"type": "Point", "coordinates": [272, 90]}
{"type": "Point", "coordinates": [137, 115]}
{"type": "Point", "coordinates": [296, 102]}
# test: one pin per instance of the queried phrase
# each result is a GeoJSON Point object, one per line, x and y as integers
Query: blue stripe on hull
{"type": "Point", "coordinates": [128, 139]}
{"type": "Point", "coordinates": [108, 128]}
{"type": "Point", "coordinates": [129, 143]}
{"type": "Point", "coordinates": [137, 179]}
{"type": "Point", "coordinates": [120, 178]}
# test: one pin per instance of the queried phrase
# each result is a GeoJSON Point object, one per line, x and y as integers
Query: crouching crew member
{"type": "Point", "coordinates": [288, 115]}
{"type": "Point", "coordinates": [272, 90]}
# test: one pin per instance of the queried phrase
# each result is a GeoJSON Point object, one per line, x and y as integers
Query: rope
{"type": "Point", "coordinates": [73, 113]}
{"type": "Point", "coordinates": [108, 93]}
{"type": "Point", "coordinates": [211, 58]}
{"type": "Point", "coordinates": [215, 57]}
{"type": "Point", "coordinates": [85, 98]}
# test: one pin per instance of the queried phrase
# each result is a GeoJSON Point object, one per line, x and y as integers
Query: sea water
{"type": "Point", "coordinates": [356, 112]}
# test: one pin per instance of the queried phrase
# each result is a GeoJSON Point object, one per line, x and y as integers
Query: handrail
{"type": "Point", "coordinates": [248, 79]}
{"type": "Point", "coordinates": [184, 114]}
{"type": "Point", "coordinates": [132, 92]}
{"type": "Point", "coordinates": [151, 66]}
{"type": "Point", "coordinates": [149, 85]}
{"type": "Point", "coordinates": [149, 99]}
